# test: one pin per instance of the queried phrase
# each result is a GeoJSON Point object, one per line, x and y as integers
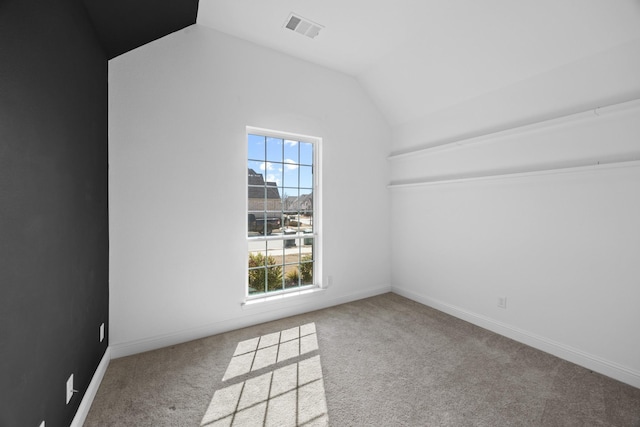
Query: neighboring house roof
{"type": "Point", "coordinates": [304, 201]}
{"type": "Point", "coordinates": [257, 186]}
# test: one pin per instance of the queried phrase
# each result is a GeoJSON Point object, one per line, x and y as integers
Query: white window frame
{"type": "Point", "coordinates": [317, 218]}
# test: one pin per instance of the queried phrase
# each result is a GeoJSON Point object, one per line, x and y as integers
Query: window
{"type": "Point", "coordinates": [282, 214]}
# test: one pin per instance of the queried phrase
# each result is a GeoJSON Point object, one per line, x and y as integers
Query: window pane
{"type": "Point", "coordinates": [306, 177]}
{"type": "Point", "coordinates": [271, 173]}
{"type": "Point", "coordinates": [290, 200]}
{"type": "Point", "coordinates": [291, 151]}
{"type": "Point", "coordinates": [307, 244]}
{"type": "Point", "coordinates": [257, 253]}
{"type": "Point", "coordinates": [257, 197]}
{"type": "Point", "coordinates": [306, 219]}
{"type": "Point", "coordinates": [256, 166]}
{"type": "Point", "coordinates": [299, 223]}
{"type": "Point", "coordinates": [257, 264]}
{"type": "Point", "coordinates": [292, 260]}
{"type": "Point", "coordinates": [257, 281]}
{"type": "Point", "coordinates": [256, 147]}
{"type": "Point", "coordinates": [274, 150]}
{"type": "Point", "coordinates": [306, 261]}
{"type": "Point", "coordinates": [290, 176]}
{"type": "Point", "coordinates": [306, 153]}
{"type": "Point", "coordinates": [305, 206]}
{"type": "Point", "coordinates": [275, 251]}
{"type": "Point", "coordinates": [274, 278]}
{"type": "Point", "coordinates": [255, 223]}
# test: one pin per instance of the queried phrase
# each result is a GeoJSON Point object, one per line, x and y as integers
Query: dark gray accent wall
{"type": "Point", "coordinates": [54, 290]}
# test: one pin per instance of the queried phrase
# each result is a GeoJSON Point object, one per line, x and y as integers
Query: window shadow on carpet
{"type": "Point", "coordinates": [272, 380]}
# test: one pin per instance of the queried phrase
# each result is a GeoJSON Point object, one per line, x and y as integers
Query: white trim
{"type": "Point", "coordinates": [260, 314]}
{"type": "Point", "coordinates": [280, 295]}
{"type": "Point", "coordinates": [563, 351]}
{"type": "Point", "coordinates": [555, 171]}
{"type": "Point", "coordinates": [90, 393]}
{"type": "Point", "coordinates": [298, 235]}
{"type": "Point", "coordinates": [280, 134]}
{"type": "Point", "coordinates": [458, 142]}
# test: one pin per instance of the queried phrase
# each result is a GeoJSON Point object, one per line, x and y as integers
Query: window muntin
{"type": "Point", "coordinates": [281, 216]}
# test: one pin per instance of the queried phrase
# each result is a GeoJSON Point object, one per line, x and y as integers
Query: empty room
{"type": "Point", "coordinates": [311, 213]}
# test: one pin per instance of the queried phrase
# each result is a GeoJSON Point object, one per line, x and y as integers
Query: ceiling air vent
{"type": "Point", "coordinates": [303, 26]}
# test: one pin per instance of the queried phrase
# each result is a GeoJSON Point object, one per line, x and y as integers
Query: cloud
{"type": "Point", "coordinates": [290, 164]}
{"type": "Point", "coordinates": [274, 178]}
{"type": "Point", "coordinates": [266, 166]}
{"type": "Point", "coordinates": [290, 142]}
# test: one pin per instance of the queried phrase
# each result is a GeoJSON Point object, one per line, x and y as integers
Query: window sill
{"type": "Point", "coordinates": [283, 297]}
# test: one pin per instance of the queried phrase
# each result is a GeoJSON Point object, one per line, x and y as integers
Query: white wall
{"type": "Point", "coordinates": [177, 151]}
{"type": "Point", "coordinates": [562, 246]}
{"type": "Point", "coordinates": [609, 77]}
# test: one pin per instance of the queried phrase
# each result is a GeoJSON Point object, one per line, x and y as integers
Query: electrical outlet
{"type": "Point", "coordinates": [329, 281]}
{"type": "Point", "coordinates": [102, 332]}
{"type": "Point", "coordinates": [70, 389]}
{"type": "Point", "coordinates": [502, 302]}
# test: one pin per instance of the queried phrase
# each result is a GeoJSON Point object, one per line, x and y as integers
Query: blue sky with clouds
{"type": "Point", "coordinates": [288, 163]}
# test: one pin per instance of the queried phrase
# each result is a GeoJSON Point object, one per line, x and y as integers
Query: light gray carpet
{"type": "Point", "coordinates": [382, 361]}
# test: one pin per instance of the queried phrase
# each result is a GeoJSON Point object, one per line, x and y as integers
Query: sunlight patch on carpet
{"type": "Point", "coordinates": [284, 385]}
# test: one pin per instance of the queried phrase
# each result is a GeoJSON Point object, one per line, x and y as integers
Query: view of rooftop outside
{"type": "Point", "coordinates": [280, 220]}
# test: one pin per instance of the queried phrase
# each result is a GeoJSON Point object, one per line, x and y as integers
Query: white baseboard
{"type": "Point", "coordinates": [255, 315]}
{"type": "Point", "coordinates": [594, 363]}
{"type": "Point", "coordinates": [90, 393]}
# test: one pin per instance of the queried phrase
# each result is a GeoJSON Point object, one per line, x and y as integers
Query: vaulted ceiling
{"type": "Point", "coordinates": [413, 57]}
